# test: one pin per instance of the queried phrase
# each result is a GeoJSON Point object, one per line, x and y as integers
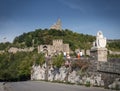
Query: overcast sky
{"type": "Point", "coordinates": [82, 16]}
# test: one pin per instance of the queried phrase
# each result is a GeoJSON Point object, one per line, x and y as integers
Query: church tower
{"type": "Point", "coordinates": [57, 25]}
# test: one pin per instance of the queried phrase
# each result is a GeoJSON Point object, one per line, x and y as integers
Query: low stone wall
{"type": "Point", "coordinates": [109, 70]}
{"type": "Point", "coordinates": [109, 67]}
{"type": "Point", "coordinates": [108, 78]}
{"type": "Point", "coordinates": [115, 85]}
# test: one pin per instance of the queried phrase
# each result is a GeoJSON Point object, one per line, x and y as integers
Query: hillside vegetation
{"type": "Point", "coordinates": [45, 36]}
{"type": "Point", "coordinates": [39, 36]}
{"type": "Point", "coordinates": [114, 45]}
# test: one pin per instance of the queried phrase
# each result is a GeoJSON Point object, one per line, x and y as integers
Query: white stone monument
{"type": "Point", "coordinates": [100, 40]}
{"type": "Point", "coordinates": [99, 50]}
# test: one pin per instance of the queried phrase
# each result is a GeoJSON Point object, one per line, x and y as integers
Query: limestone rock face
{"type": "Point", "coordinates": [73, 77]}
{"type": "Point", "coordinates": [51, 74]}
{"type": "Point", "coordinates": [115, 84]}
{"type": "Point", "coordinates": [93, 79]}
{"type": "Point", "coordinates": [37, 73]}
{"type": "Point", "coordinates": [64, 75]}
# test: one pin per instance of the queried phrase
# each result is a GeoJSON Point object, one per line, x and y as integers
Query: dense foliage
{"type": "Point", "coordinates": [58, 61]}
{"type": "Point", "coordinates": [46, 36]}
{"type": "Point", "coordinates": [5, 46]}
{"type": "Point", "coordinates": [114, 45]}
{"type": "Point", "coordinates": [16, 67]}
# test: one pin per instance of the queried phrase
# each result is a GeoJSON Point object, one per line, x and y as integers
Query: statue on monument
{"type": "Point", "coordinates": [100, 40]}
{"type": "Point", "coordinates": [99, 50]}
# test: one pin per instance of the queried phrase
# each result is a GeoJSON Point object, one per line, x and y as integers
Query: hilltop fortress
{"type": "Point", "coordinates": [58, 45]}
{"type": "Point", "coordinates": [57, 48]}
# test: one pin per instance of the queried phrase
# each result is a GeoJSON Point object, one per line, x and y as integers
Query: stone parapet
{"type": "Point", "coordinates": [109, 67]}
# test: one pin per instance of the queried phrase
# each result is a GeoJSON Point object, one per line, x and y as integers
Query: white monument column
{"type": "Point", "coordinates": [99, 50]}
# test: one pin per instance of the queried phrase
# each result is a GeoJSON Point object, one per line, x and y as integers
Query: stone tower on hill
{"type": "Point", "coordinates": [57, 25]}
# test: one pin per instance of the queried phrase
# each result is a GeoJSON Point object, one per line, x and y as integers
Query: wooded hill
{"type": "Point", "coordinates": [45, 36]}
{"type": "Point", "coordinates": [39, 36]}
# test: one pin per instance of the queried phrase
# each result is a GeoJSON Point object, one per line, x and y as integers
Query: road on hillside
{"type": "Point", "coordinates": [44, 86]}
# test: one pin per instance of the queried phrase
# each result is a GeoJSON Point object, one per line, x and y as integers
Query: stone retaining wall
{"type": "Point", "coordinates": [109, 67]}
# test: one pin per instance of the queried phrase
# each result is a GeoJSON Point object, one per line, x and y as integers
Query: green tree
{"type": "Point", "coordinates": [58, 60]}
{"type": "Point", "coordinates": [40, 59]}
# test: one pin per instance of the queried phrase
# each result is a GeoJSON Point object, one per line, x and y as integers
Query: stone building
{"type": "Point", "coordinates": [57, 47]}
{"type": "Point", "coordinates": [57, 25]}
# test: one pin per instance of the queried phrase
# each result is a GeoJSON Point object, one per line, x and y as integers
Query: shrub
{"type": "Point", "coordinates": [87, 84]}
